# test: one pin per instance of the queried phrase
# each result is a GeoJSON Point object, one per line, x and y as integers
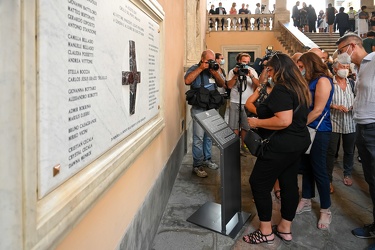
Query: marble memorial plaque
{"type": "Point", "coordinates": [86, 106]}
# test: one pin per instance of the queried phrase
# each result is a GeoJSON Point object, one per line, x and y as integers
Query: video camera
{"type": "Point", "coordinates": [259, 62]}
{"type": "Point", "coordinates": [269, 54]}
{"type": "Point", "coordinates": [243, 69]}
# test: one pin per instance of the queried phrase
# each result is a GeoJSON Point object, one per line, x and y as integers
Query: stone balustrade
{"type": "Point", "coordinates": [240, 22]}
{"type": "Point", "coordinates": [294, 40]}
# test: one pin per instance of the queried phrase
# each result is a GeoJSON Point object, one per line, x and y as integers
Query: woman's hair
{"type": "Point", "coordinates": [314, 66]}
{"type": "Point", "coordinates": [288, 75]}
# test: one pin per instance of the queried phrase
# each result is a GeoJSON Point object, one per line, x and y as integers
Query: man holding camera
{"type": "Point", "coordinates": [241, 79]}
{"type": "Point", "coordinates": [205, 71]}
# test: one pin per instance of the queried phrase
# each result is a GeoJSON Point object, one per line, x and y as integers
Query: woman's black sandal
{"type": "Point", "coordinates": [257, 237]}
{"type": "Point", "coordinates": [278, 234]}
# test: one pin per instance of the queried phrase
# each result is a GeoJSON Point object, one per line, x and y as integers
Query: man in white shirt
{"type": "Point", "coordinates": [244, 79]}
{"type": "Point", "coordinates": [350, 45]}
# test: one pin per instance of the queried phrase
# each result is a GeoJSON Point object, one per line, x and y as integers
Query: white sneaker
{"type": "Point", "coordinates": [210, 164]}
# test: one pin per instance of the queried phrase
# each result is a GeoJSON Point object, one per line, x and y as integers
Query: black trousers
{"type": "Point", "coordinates": [269, 168]}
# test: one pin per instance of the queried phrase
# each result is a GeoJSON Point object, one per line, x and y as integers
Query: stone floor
{"type": "Point", "coordinates": [351, 207]}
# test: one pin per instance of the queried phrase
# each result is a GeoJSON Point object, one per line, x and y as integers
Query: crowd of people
{"type": "Point", "coordinates": [331, 20]}
{"type": "Point", "coordinates": [305, 18]}
{"type": "Point", "coordinates": [291, 93]}
{"type": "Point", "coordinates": [245, 9]}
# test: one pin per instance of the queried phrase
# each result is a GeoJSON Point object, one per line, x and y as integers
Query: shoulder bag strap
{"type": "Point", "coordinates": [321, 119]}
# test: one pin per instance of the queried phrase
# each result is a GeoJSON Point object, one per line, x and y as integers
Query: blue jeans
{"type": "Point", "coordinates": [315, 170]}
{"type": "Point", "coordinates": [202, 143]}
{"type": "Point", "coordinates": [348, 141]}
{"type": "Point", "coordinates": [366, 150]}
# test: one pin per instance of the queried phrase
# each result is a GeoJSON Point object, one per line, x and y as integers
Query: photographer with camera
{"type": "Point", "coordinates": [204, 73]}
{"type": "Point", "coordinates": [242, 80]}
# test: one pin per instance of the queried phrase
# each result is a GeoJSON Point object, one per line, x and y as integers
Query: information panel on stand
{"type": "Point", "coordinates": [215, 125]}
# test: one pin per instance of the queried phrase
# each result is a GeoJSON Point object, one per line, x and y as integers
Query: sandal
{"type": "Point", "coordinates": [257, 237]}
{"type": "Point", "coordinates": [277, 194]}
{"type": "Point", "coordinates": [278, 234]}
{"type": "Point", "coordinates": [304, 205]}
{"type": "Point", "coordinates": [324, 225]}
{"type": "Point", "coordinates": [348, 181]}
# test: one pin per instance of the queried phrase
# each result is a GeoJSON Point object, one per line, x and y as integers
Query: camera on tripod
{"type": "Point", "coordinates": [212, 64]}
{"type": "Point", "coordinates": [243, 69]}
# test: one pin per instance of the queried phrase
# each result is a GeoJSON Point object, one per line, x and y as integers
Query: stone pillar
{"type": "Point", "coordinates": [11, 215]}
{"type": "Point", "coordinates": [281, 13]}
{"type": "Point", "coordinates": [194, 44]}
{"type": "Point", "coordinates": [369, 4]}
{"type": "Point", "coordinates": [280, 5]}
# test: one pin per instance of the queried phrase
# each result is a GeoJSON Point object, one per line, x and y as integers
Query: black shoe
{"type": "Point", "coordinates": [366, 232]}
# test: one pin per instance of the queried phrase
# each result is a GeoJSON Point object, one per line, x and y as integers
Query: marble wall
{"type": "Point", "coordinates": [68, 80]}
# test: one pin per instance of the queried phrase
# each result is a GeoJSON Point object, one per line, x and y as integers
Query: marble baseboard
{"type": "Point", "coordinates": [144, 226]}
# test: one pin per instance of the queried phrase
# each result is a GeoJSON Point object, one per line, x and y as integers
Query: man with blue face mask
{"type": "Point", "coordinates": [350, 47]}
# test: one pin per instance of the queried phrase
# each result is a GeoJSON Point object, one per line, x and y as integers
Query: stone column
{"type": "Point", "coordinates": [369, 4]}
{"type": "Point", "coordinates": [281, 13]}
{"type": "Point", "coordinates": [11, 215]}
{"type": "Point", "coordinates": [194, 44]}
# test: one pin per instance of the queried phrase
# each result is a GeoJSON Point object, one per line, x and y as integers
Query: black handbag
{"type": "Point", "coordinates": [255, 143]}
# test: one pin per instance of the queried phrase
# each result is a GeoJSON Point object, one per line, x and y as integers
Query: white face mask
{"type": "Point", "coordinates": [343, 73]}
{"type": "Point", "coordinates": [222, 62]}
{"type": "Point", "coordinates": [345, 57]}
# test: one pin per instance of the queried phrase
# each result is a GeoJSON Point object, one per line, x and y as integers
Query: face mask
{"type": "Point", "coordinates": [222, 62]}
{"type": "Point", "coordinates": [270, 81]}
{"type": "Point", "coordinates": [345, 57]}
{"type": "Point", "coordinates": [343, 73]}
{"type": "Point", "coordinates": [303, 72]}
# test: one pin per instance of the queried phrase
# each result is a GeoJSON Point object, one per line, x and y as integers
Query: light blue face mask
{"type": "Point", "coordinates": [222, 62]}
{"type": "Point", "coordinates": [270, 81]}
{"type": "Point", "coordinates": [303, 72]}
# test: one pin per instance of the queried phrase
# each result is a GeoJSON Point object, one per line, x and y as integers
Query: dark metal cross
{"type": "Point", "coordinates": [132, 77]}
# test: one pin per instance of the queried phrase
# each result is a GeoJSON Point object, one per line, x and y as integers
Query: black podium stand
{"type": "Point", "coordinates": [225, 218]}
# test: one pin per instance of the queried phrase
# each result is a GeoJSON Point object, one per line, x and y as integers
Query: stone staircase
{"type": "Point", "coordinates": [325, 41]}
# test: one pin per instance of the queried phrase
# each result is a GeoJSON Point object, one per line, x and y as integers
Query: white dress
{"type": "Point", "coordinates": [362, 26]}
{"type": "Point", "coordinates": [323, 23]}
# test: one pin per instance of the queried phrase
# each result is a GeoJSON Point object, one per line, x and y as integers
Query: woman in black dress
{"type": "Point", "coordinates": [330, 15]}
{"type": "Point", "coordinates": [285, 110]}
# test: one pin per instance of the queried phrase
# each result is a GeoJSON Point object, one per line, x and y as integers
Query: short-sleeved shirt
{"type": "Point", "coordinates": [342, 123]}
{"type": "Point", "coordinates": [209, 81]}
{"type": "Point", "coordinates": [234, 94]}
{"type": "Point", "coordinates": [296, 135]}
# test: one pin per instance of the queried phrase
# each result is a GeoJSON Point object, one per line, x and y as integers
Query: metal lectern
{"type": "Point", "coordinates": [225, 218]}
